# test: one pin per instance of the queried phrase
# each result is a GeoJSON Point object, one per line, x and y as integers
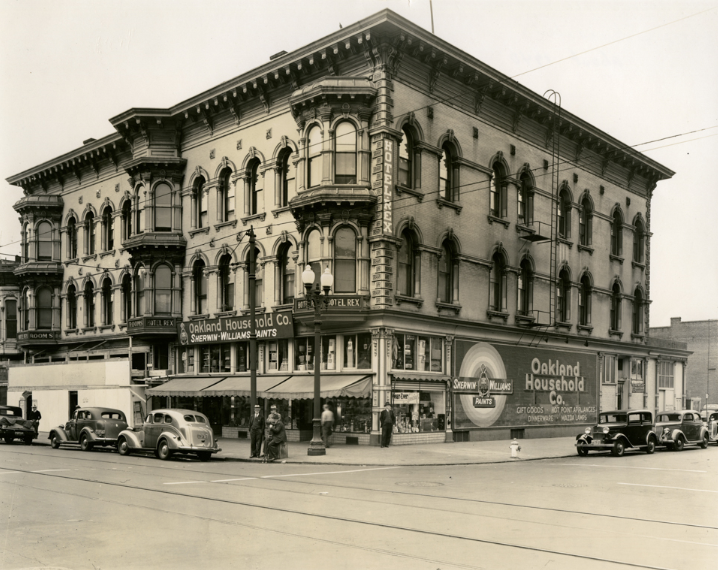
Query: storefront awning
{"type": "Point", "coordinates": [332, 386]}
{"type": "Point", "coordinates": [189, 386]}
{"type": "Point", "coordinates": [420, 381]}
{"type": "Point", "coordinates": [240, 386]}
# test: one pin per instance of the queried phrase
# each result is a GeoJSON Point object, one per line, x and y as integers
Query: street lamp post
{"type": "Point", "coordinates": [319, 300]}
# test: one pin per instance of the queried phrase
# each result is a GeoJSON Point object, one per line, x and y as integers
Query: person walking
{"type": "Point", "coordinates": [256, 432]}
{"type": "Point", "coordinates": [387, 419]}
{"type": "Point", "coordinates": [278, 437]}
{"type": "Point", "coordinates": [327, 425]}
{"type": "Point", "coordinates": [35, 416]}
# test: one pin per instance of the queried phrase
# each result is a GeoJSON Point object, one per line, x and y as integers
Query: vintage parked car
{"type": "Point", "coordinates": [90, 427]}
{"type": "Point", "coordinates": [618, 431]}
{"type": "Point", "coordinates": [680, 428]}
{"type": "Point", "coordinates": [169, 432]}
{"type": "Point", "coordinates": [13, 427]}
{"type": "Point", "coordinates": [712, 427]}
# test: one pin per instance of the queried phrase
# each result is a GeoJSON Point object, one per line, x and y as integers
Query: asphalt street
{"type": "Point", "coordinates": [100, 511]}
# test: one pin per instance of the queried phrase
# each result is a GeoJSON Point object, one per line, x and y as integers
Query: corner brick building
{"type": "Point", "coordinates": [491, 252]}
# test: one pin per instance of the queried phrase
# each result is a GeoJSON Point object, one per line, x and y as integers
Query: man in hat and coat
{"type": "Point", "coordinates": [277, 435]}
{"type": "Point", "coordinates": [387, 419]}
{"type": "Point", "coordinates": [256, 432]}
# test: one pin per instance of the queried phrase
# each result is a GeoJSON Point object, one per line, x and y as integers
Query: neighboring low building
{"type": "Point", "coordinates": [9, 296]}
{"type": "Point", "coordinates": [701, 338]}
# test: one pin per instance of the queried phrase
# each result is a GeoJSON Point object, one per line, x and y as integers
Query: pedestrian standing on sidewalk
{"type": "Point", "coordinates": [256, 432]}
{"type": "Point", "coordinates": [327, 424]}
{"type": "Point", "coordinates": [387, 419]}
{"type": "Point", "coordinates": [273, 417]}
{"type": "Point", "coordinates": [35, 416]}
{"type": "Point", "coordinates": [278, 437]}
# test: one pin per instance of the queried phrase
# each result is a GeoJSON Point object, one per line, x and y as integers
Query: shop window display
{"type": "Point", "coordinates": [185, 360]}
{"type": "Point", "coordinates": [214, 358]}
{"type": "Point", "coordinates": [242, 356]}
{"type": "Point", "coordinates": [420, 353]}
{"type": "Point", "coordinates": [304, 353]}
{"type": "Point", "coordinates": [419, 412]}
{"type": "Point", "coordinates": [278, 352]}
{"type": "Point", "coordinates": [351, 414]}
{"type": "Point", "coordinates": [357, 351]}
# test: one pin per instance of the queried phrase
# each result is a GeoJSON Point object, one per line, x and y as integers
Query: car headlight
{"type": "Point", "coordinates": [587, 431]}
{"type": "Point", "coordinates": [606, 430]}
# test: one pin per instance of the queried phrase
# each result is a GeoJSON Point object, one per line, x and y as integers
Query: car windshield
{"type": "Point", "coordinates": [612, 418]}
{"type": "Point", "coordinates": [112, 416]}
{"type": "Point", "coordinates": [669, 418]}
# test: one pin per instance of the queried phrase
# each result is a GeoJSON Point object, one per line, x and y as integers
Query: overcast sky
{"type": "Point", "coordinates": [66, 67]}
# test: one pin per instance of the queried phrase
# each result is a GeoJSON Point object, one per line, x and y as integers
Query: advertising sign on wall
{"type": "Point", "coordinates": [512, 386]}
{"type": "Point", "coordinates": [235, 329]}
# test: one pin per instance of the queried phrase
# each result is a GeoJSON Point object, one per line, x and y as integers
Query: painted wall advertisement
{"type": "Point", "coordinates": [519, 386]}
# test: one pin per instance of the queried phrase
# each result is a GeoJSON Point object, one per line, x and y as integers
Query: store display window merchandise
{"type": "Point", "coordinates": [419, 412]}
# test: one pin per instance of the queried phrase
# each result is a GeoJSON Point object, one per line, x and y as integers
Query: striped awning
{"type": "Point", "coordinates": [421, 381]}
{"type": "Point", "coordinates": [187, 386]}
{"type": "Point", "coordinates": [331, 386]}
{"type": "Point", "coordinates": [240, 386]}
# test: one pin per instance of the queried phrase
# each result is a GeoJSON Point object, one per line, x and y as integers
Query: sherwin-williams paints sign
{"type": "Point", "coordinates": [518, 386]}
{"type": "Point", "coordinates": [235, 329]}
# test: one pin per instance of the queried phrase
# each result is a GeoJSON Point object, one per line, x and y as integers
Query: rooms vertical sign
{"type": "Point", "coordinates": [383, 186]}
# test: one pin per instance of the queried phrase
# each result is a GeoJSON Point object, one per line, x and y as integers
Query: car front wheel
{"type": "Point", "coordinates": [679, 444]}
{"type": "Point", "coordinates": [123, 447]}
{"type": "Point", "coordinates": [28, 440]}
{"type": "Point", "coordinates": [55, 442]}
{"type": "Point", "coordinates": [163, 450]}
{"type": "Point", "coordinates": [85, 444]}
{"type": "Point", "coordinates": [651, 445]}
{"type": "Point", "coordinates": [8, 439]}
{"type": "Point", "coordinates": [704, 442]}
{"type": "Point", "coordinates": [618, 449]}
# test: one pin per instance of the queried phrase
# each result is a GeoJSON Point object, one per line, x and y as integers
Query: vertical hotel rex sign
{"type": "Point", "coordinates": [383, 184]}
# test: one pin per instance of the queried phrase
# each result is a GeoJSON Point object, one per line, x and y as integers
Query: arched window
{"type": "Point", "coordinates": [226, 283]}
{"type": "Point", "coordinates": [200, 288]}
{"type": "Point", "coordinates": [448, 173]}
{"type": "Point", "coordinates": [72, 307]}
{"type": "Point", "coordinates": [564, 214]}
{"type": "Point", "coordinates": [26, 243]}
{"type": "Point", "coordinates": [163, 290]}
{"type": "Point", "coordinates": [43, 308]}
{"type": "Point", "coordinates": [127, 220]}
{"type": "Point", "coordinates": [499, 192]}
{"type": "Point", "coordinates": [406, 156]}
{"type": "Point", "coordinates": [225, 196]}
{"type": "Point", "coordinates": [498, 283]}
{"type": "Point", "coordinates": [71, 238]}
{"type": "Point", "coordinates": [108, 237]}
{"type": "Point", "coordinates": [345, 156]}
{"type": "Point", "coordinates": [617, 233]}
{"type": "Point", "coordinates": [448, 274]}
{"type": "Point", "coordinates": [163, 207]}
{"type": "Point", "coordinates": [90, 233]}
{"type": "Point", "coordinates": [258, 280]}
{"type": "Point", "coordinates": [314, 255]}
{"type": "Point", "coordinates": [26, 309]}
{"type": "Point", "coordinates": [107, 301]}
{"type": "Point", "coordinates": [563, 297]}
{"type": "Point", "coordinates": [139, 289]}
{"type": "Point", "coordinates": [314, 156]}
{"type": "Point", "coordinates": [44, 241]}
{"type": "Point", "coordinates": [525, 200]}
{"type": "Point", "coordinates": [126, 298]}
{"type": "Point", "coordinates": [286, 278]}
{"type": "Point", "coordinates": [89, 304]}
{"type": "Point", "coordinates": [638, 311]}
{"type": "Point", "coordinates": [199, 197]}
{"type": "Point", "coordinates": [286, 177]}
{"type": "Point", "coordinates": [140, 209]}
{"type": "Point", "coordinates": [639, 238]}
{"type": "Point", "coordinates": [345, 262]}
{"type": "Point", "coordinates": [406, 275]}
{"type": "Point", "coordinates": [584, 302]}
{"type": "Point", "coordinates": [255, 186]}
{"type": "Point", "coordinates": [585, 222]}
{"type": "Point", "coordinates": [616, 307]}
{"type": "Point", "coordinates": [525, 289]}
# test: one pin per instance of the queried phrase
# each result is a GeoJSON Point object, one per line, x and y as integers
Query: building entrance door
{"type": "Point", "coordinates": [72, 404]}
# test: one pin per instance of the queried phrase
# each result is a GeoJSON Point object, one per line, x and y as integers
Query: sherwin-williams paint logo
{"type": "Point", "coordinates": [481, 368]}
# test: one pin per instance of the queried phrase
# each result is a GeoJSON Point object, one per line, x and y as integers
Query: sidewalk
{"type": "Point", "coordinates": [405, 455]}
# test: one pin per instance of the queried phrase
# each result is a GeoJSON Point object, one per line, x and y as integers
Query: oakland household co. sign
{"type": "Point", "coordinates": [235, 329]}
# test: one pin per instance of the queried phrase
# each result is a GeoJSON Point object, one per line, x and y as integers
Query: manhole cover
{"type": "Point", "coordinates": [419, 484]}
{"type": "Point", "coordinates": [569, 485]}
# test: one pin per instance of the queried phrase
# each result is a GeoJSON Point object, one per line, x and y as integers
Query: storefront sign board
{"type": "Point", "coordinates": [406, 398]}
{"type": "Point", "coordinates": [236, 329]}
{"type": "Point", "coordinates": [534, 386]}
{"type": "Point", "coordinates": [638, 386]}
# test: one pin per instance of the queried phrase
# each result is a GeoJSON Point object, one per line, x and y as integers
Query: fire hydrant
{"type": "Point", "coordinates": [515, 448]}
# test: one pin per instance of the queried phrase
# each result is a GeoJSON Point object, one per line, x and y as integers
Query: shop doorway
{"type": "Point", "coordinates": [212, 408]}
{"type": "Point", "coordinates": [72, 403]}
{"type": "Point", "coordinates": [28, 403]}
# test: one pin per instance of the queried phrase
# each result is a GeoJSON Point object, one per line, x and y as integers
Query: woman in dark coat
{"type": "Point", "coordinates": [278, 437]}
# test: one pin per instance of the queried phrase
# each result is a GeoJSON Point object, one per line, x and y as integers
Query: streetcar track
{"type": "Point", "coordinates": [405, 493]}
{"type": "Point", "coordinates": [334, 518]}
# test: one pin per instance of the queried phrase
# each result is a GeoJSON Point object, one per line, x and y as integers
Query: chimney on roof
{"type": "Point", "coordinates": [675, 320]}
{"type": "Point", "coordinates": [87, 141]}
